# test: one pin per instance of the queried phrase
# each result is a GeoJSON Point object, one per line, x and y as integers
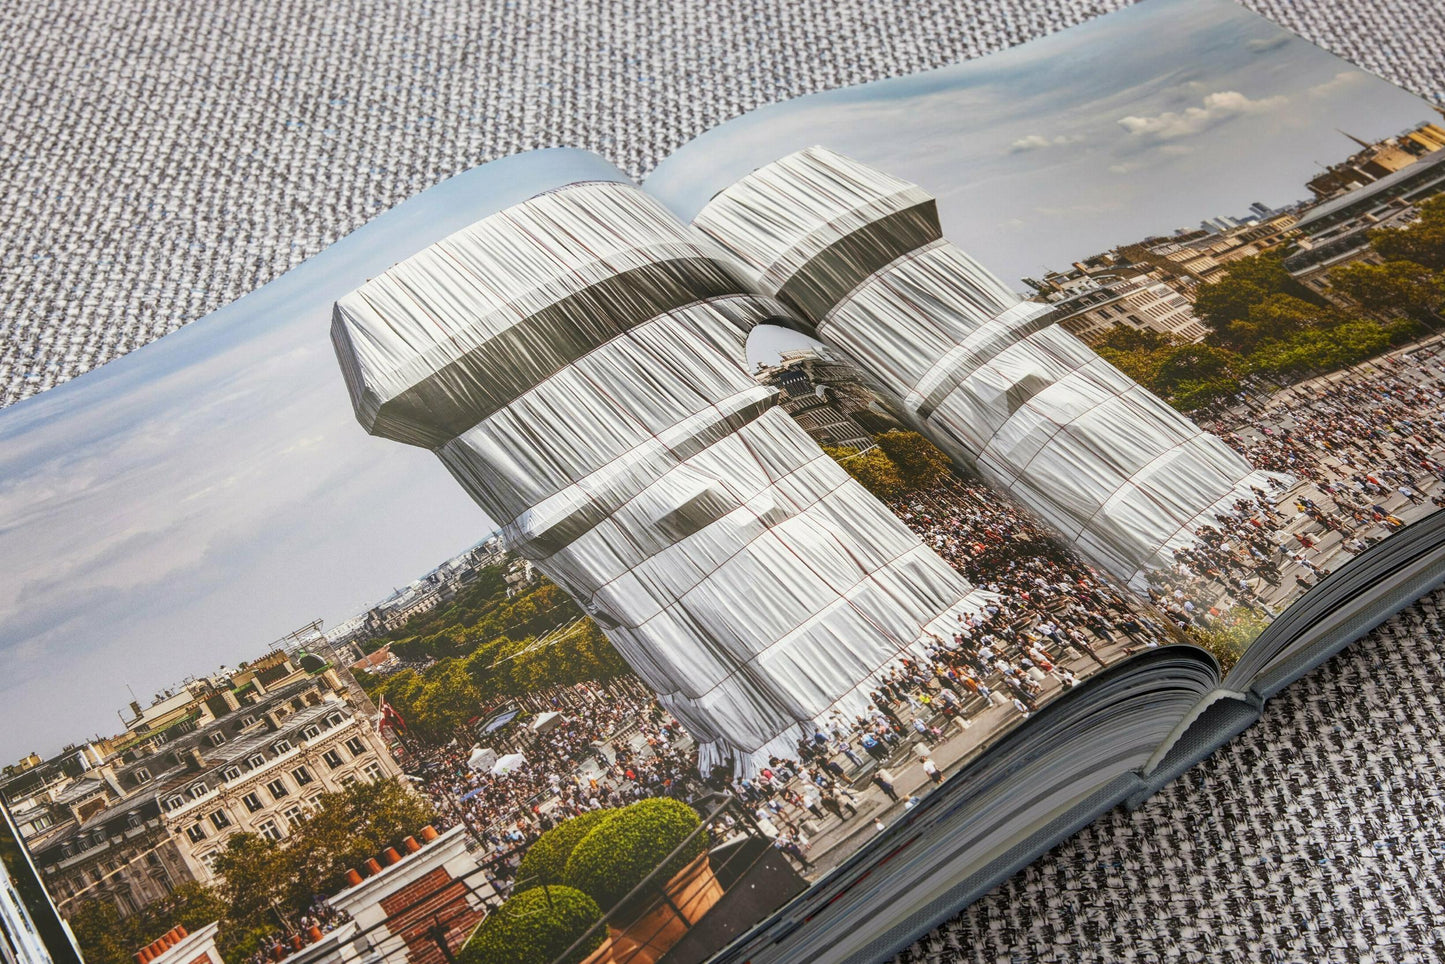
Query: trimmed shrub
{"type": "Point", "coordinates": [546, 860]}
{"type": "Point", "coordinates": [535, 927]}
{"type": "Point", "coordinates": [618, 853]}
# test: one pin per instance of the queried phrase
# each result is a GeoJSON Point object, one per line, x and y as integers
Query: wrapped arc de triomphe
{"type": "Point", "coordinates": [577, 362]}
{"type": "Point", "coordinates": [859, 256]}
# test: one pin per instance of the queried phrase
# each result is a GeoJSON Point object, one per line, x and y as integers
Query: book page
{"type": "Point", "coordinates": [557, 557]}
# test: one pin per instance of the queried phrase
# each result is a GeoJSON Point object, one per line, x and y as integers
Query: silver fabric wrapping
{"type": "Point", "coordinates": [577, 362]}
{"type": "Point", "coordinates": [859, 254]}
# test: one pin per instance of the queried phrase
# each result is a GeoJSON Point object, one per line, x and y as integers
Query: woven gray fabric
{"type": "Point", "coordinates": [161, 160]}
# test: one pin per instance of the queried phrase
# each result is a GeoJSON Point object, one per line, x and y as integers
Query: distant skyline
{"type": "Point", "coordinates": [185, 506]}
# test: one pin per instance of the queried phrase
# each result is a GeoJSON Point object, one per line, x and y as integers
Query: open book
{"type": "Point", "coordinates": [799, 568]}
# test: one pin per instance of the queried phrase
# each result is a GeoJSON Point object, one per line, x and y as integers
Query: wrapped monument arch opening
{"type": "Point", "coordinates": [577, 362]}
{"type": "Point", "coordinates": [860, 256]}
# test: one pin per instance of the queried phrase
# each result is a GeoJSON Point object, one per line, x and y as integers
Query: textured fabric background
{"type": "Point", "coordinates": [160, 159]}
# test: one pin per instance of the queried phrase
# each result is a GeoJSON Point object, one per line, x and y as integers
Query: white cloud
{"type": "Point", "coordinates": [1219, 107]}
{"type": "Point", "coordinates": [1339, 83]}
{"type": "Point", "coordinates": [1031, 143]}
{"type": "Point", "coordinates": [1034, 142]}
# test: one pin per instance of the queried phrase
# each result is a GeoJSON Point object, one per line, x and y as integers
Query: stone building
{"type": "Point", "coordinates": [155, 812]}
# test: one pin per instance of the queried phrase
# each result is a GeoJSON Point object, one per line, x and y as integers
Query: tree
{"type": "Point", "coordinates": [268, 884]}
{"type": "Point", "coordinates": [1137, 352]}
{"type": "Point", "coordinates": [920, 463]}
{"type": "Point", "coordinates": [1227, 642]}
{"type": "Point", "coordinates": [1422, 241]}
{"type": "Point", "coordinates": [1323, 349]}
{"type": "Point", "coordinates": [1197, 375]}
{"type": "Point", "coordinates": [1244, 284]}
{"type": "Point", "coordinates": [1276, 317]}
{"type": "Point", "coordinates": [259, 879]}
{"type": "Point", "coordinates": [873, 469]}
{"type": "Point", "coordinates": [107, 938]}
{"type": "Point", "coordinates": [448, 699]}
{"type": "Point", "coordinates": [1394, 288]}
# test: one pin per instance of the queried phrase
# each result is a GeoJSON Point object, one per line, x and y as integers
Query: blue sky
{"type": "Point", "coordinates": [186, 505]}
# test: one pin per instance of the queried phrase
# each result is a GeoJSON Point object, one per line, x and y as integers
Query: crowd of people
{"type": "Point", "coordinates": [1051, 620]}
{"type": "Point", "coordinates": [1363, 442]}
{"type": "Point", "coordinates": [1361, 445]}
{"type": "Point", "coordinates": [614, 744]}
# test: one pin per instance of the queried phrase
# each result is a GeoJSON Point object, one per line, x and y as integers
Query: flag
{"type": "Point", "coordinates": [390, 717]}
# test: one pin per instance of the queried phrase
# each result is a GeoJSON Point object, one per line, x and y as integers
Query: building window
{"type": "Point", "coordinates": [303, 776]}
{"type": "Point", "coordinates": [218, 738]}
{"type": "Point", "coordinates": [142, 776]}
{"type": "Point", "coordinates": [256, 760]}
{"type": "Point", "coordinates": [132, 820]}
{"type": "Point", "coordinates": [220, 820]}
{"type": "Point", "coordinates": [278, 789]}
{"type": "Point", "coordinates": [348, 779]}
{"type": "Point", "coordinates": [252, 801]}
{"type": "Point", "coordinates": [196, 832]}
{"type": "Point", "coordinates": [247, 720]}
{"type": "Point", "coordinates": [282, 746]}
{"type": "Point", "coordinates": [174, 802]}
{"type": "Point", "coordinates": [293, 815]}
{"type": "Point", "coordinates": [209, 859]}
{"type": "Point", "coordinates": [333, 758]}
{"type": "Point", "coordinates": [333, 719]}
{"type": "Point", "coordinates": [269, 830]}
{"type": "Point", "coordinates": [372, 771]}
{"type": "Point", "coordinates": [197, 790]}
{"type": "Point", "coordinates": [311, 732]}
{"type": "Point", "coordinates": [356, 746]}
{"type": "Point", "coordinates": [231, 773]}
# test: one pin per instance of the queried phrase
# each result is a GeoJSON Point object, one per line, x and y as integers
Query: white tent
{"type": "Point", "coordinates": [482, 759]}
{"type": "Point", "coordinates": [546, 721]}
{"type": "Point", "coordinates": [508, 763]}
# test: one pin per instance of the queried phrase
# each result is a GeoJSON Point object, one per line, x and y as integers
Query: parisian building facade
{"type": "Point", "coordinates": [153, 808]}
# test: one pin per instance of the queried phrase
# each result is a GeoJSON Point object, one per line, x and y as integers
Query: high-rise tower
{"type": "Point", "coordinates": [577, 362]}
{"type": "Point", "coordinates": [860, 256]}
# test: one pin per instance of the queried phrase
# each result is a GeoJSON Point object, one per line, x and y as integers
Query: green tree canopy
{"type": "Point", "coordinates": [1137, 352]}
{"type": "Point", "coordinates": [107, 938]}
{"type": "Point", "coordinates": [268, 884]}
{"type": "Point", "coordinates": [1244, 284]}
{"type": "Point", "coordinates": [920, 463]}
{"type": "Point", "coordinates": [1198, 375]}
{"type": "Point", "coordinates": [1422, 241]}
{"type": "Point", "coordinates": [873, 469]}
{"type": "Point", "coordinates": [1394, 288]}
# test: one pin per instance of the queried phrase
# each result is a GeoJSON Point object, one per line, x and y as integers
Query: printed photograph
{"type": "Point", "coordinates": [559, 569]}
